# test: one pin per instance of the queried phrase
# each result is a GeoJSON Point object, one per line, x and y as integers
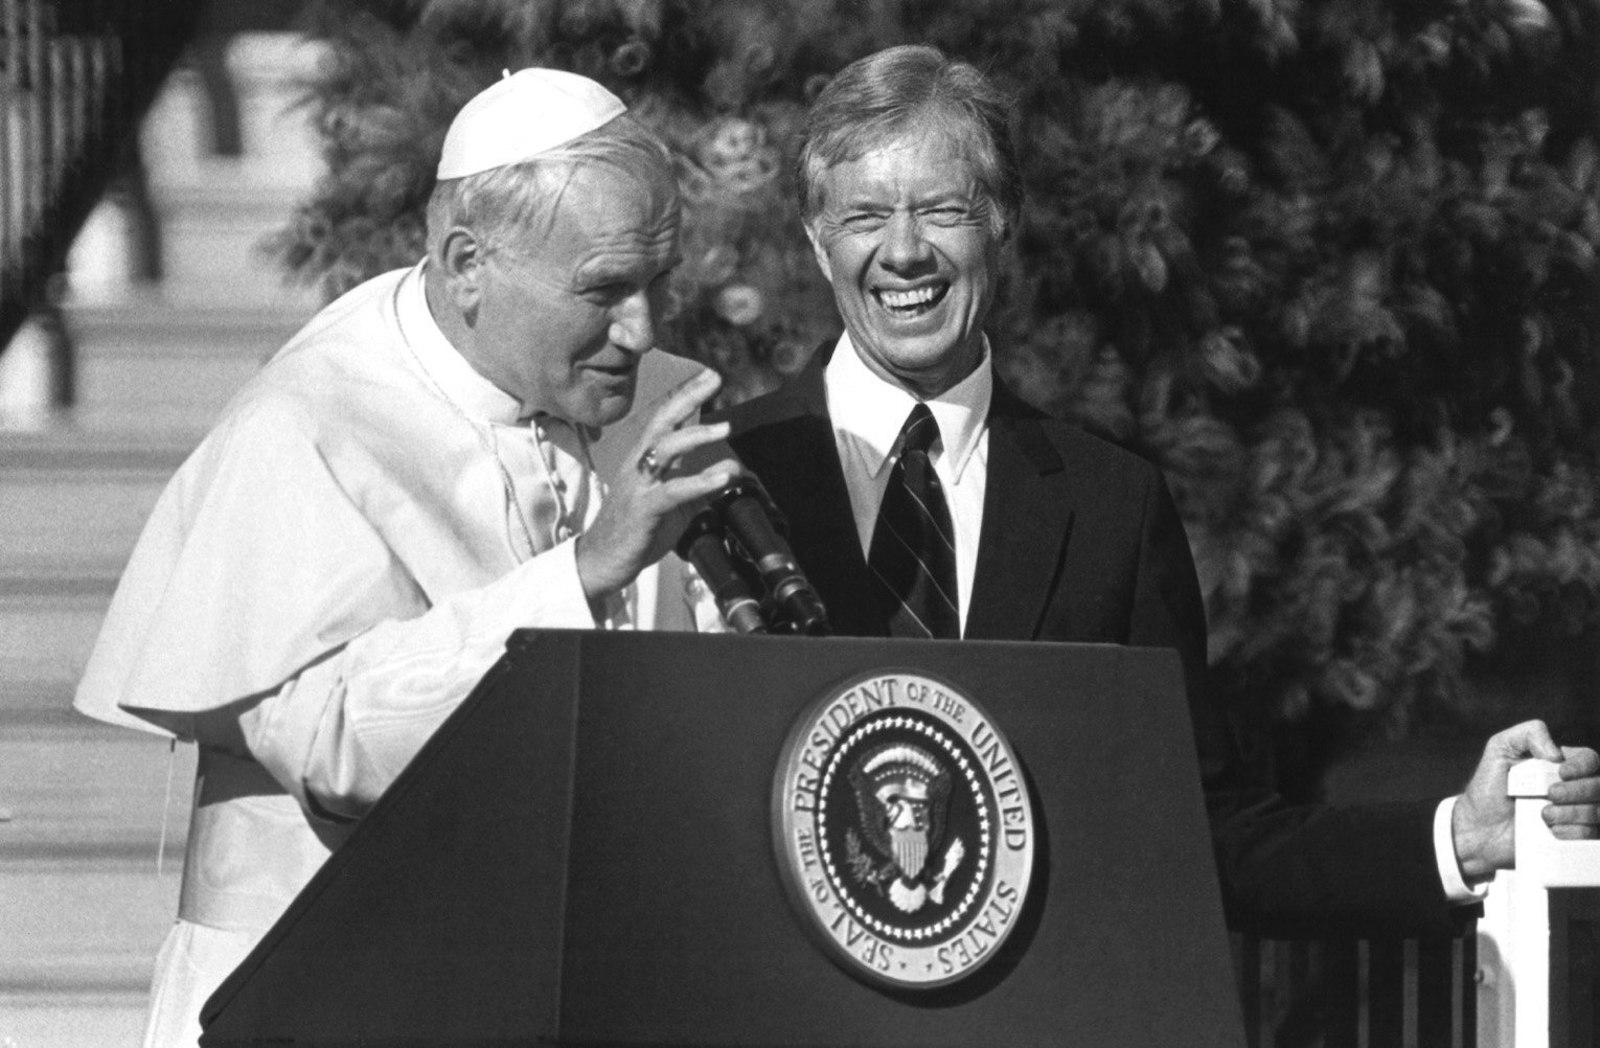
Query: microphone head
{"type": "Point", "coordinates": [804, 610]}
{"type": "Point", "coordinates": [704, 523]}
{"type": "Point", "coordinates": [703, 544]}
{"type": "Point", "coordinates": [744, 515]}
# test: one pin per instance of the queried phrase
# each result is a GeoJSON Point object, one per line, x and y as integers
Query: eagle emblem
{"type": "Point", "coordinates": [902, 797]}
{"type": "Point", "coordinates": [903, 829]}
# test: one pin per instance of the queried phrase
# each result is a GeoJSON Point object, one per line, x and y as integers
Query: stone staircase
{"type": "Point", "coordinates": [85, 893]}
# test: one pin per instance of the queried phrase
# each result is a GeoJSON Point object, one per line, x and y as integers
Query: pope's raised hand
{"type": "Point", "coordinates": [652, 500]}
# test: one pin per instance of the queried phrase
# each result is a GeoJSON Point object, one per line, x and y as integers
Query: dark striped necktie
{"type": "Point", "coordinates": [913, 553]}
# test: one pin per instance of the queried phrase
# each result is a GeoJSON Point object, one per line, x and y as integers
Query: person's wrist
{"type": "Point", "coordinates": [1478, 850]}
{"type": "Point", "coordinates": [601, 578]}
{"type": "Point", "coordinates": [589, 574]}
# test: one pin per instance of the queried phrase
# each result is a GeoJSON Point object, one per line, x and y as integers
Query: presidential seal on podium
{"type": "Point", "coordinates": [903, 829]}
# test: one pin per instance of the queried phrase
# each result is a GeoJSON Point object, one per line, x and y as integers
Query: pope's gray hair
{"type": "Point", "coordinates": [512, 207]}
{"type": "Point", "coordinates": [876, 99]}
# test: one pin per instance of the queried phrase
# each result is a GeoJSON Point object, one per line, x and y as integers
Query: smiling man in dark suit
{"type": "Point", "coordinates": [926, 499]}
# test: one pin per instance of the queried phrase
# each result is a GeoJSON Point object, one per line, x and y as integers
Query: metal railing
{"type": "Point", "coordinates": [1528, 975]}
{"type": "Point", "coordinates": [1540, 932]}
{"type": "Point", "coordinates": [76, 77]}
{"type": "Point", "coordinates": [1358, 993]}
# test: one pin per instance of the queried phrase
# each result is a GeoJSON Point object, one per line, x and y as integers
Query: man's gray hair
{"type": "Point", "coordinates": [511, 207]}
{"type": "Point", "coordinates": [874, 99]}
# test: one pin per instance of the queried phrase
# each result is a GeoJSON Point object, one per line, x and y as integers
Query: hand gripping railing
{"type": "Point", "coordinates": [1515, 933]}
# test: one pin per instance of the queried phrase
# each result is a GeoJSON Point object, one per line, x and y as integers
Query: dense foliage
{"type": "Point", "coordinates": [1331, 263]}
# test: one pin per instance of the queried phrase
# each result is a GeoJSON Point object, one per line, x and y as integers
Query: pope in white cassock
{"type": "Point", "coordinates": [406, 482]}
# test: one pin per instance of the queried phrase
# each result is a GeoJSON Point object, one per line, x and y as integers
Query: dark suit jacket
{"type": "Point", "coordinates": [1081, 542]}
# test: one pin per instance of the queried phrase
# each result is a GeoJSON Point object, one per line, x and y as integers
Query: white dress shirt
{"type": "Point", "coordinates": [867, 415]}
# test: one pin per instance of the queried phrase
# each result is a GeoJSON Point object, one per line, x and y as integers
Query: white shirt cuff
{"type": "Point", "coordinates": [1456, 888]}
{"type": "Point", "coordinates": [563, 602]}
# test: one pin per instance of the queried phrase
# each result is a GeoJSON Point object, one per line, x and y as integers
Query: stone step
{"type": "Point", "coordinates": [149, 361]}
{"type": "Point", "coordinates": [171, 353]}
{"type": "Point", "coordinates": [84, 807]}
{"type": "Point", "coordinates": [72, 1020]}
{"type": "Point", "coordinates": [76, 790]}
{"type": "Point", "coordinates": [86, 889]}
{"type": "Point", "coordinates": [269, 71]}
{"type": "Point", "coordinates": [75, 500]}
{"type": "Point", "coordinates": [47, 628]}
{"type": "Point", "coordinates": [145, 361]}
{"type": "Point", "coordinates": [83, 926]}
{"type": "Point", "coordinates": [215, 212]}
{"type": "Point", "coordinates": [216, 247]}
{"type": "Point", "coordinates": [215, 239]}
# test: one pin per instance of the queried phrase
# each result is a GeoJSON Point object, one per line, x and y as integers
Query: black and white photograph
{"type": "Point", "coordinates": [800, 523]}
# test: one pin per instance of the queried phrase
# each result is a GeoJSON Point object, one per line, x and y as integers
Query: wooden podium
{"type": "Point", "coordinates": [583, 855]}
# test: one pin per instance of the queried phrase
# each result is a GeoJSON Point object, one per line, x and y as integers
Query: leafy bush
{"type": "Point", "coordinates": [1330, 263]}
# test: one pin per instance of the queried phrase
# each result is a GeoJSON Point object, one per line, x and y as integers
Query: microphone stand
{"type": "Point", "coordinates": [737, 545]}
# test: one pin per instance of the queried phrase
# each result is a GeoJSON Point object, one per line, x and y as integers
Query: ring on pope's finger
{"type": "Point", "coordinates": [649, 464]}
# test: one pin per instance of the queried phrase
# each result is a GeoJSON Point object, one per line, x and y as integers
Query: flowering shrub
{"type": "Point", "coordinates": [1330, 263]}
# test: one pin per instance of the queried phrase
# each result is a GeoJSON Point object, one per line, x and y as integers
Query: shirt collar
{"type": "Point", "coordinates": [872, 410]}
{"type": "Point", "coordinates": [443, 365]}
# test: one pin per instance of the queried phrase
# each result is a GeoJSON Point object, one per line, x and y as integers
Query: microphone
{"type": "Point", "coordinates": [736, 543]}
{"type": "Point", "coordinates": [748, 512]}
{"type": "Point", "coordinates": [702, 545]}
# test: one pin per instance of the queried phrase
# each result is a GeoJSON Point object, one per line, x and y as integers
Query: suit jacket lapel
{"type": "Point", "coordinates": [797, 461]}
{"type": "Point", "coordinates": [1027, 521]}
{"type": "Point", "coordinates": [1027, 512]}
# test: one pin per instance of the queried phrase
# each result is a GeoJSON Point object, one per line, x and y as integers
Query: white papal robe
{"type": "Point", "coordinates": [322, 583]}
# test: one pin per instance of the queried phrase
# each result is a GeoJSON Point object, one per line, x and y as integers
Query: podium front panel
{"type": "Point", "coordinates": [583, 855]}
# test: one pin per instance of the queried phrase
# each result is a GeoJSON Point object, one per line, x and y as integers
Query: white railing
{"type": "Point", "coordinates": [1514, 934]}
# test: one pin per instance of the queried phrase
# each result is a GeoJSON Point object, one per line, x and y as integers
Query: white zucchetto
{"type": "Point", "coordinates": [522, 115]}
